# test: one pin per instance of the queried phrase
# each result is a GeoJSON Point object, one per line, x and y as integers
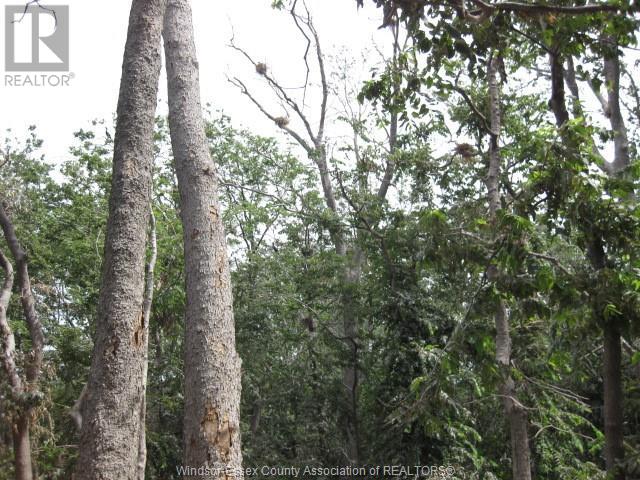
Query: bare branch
{"type": "Point", "coordinates": [557, 390]}
{"type": "Point", "coordinates": [243, 88]}
{"type": "Point", "coordinates": [316, 149]}
{"type": "Point", "coordinates": [532, 39]}
{"type": "Point", "coordinates": [306, 51]}
{"type": "Point", "coordinates": [570, 78]}
{"type": "Point", "coordinates": [280, 91]}
{"type": "Point", "coordinates": [323, 80]}
{"type": "Point", "coordinates": [596, 92]}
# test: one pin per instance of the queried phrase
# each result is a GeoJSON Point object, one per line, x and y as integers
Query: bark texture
{"type": "Point", "coordinates": [111, 407]}
{"type": "Point", "coordinates": [514, 411]}
{"type": "Point", "coordinates": [314, 144]}
{"type": "Point", "coordinates": [212, 365]}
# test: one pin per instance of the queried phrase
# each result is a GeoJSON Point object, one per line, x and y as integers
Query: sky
{"type": "Point", "coordinates": [97, 37]}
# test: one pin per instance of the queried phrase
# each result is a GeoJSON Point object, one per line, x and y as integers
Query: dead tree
{"type": "Point", "coordinates": [311, 136]}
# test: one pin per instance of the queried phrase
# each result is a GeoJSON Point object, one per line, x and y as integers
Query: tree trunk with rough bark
{"type": "Point", "coordinates": [212, 365]}
{"type": "Point", "coordinates": [111, 408]}
{"type": "Point", "coordinates": [514, 411]}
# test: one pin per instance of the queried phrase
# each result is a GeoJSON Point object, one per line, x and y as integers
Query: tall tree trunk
{"type": "Point", "coordinates": [350, 371]}
{"type": "Point", "coordinates": [613, 418]}
{"type": "Point", "coordinates": [22, 447]}
{"type": "Point", "coordinates": [612, 353]}
{"type": "Point", "coordinates": [611, 374]}
{"type": "Point", "coordinates": [212, 365]}
{"type": "Point", "coordinates": [514, 411]}
{"type": "Point", "coordinates": [146, 316]}
{"type": "Point", "coordinates": [612, 356]}
{"type": "Point", "coordinates": [111, 408]}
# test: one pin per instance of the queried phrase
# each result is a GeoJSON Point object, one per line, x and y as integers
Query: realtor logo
{"type": "Point", "coordinates": [37, 39]}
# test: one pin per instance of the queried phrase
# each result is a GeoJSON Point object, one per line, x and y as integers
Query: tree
{"type": "Point", "coordinates": [346, 236]}
{"type": "Point", "coordinates": [212, 365]}
{"type": "Point", "coordinates": [596, 244]}
{"type": "Point", "coordinates": [146, 316]}
{"type": "Point", "coordinates": [111, 408]}
{"type": "Point", "coordinates": [25, 395]}
{"type": "Point", "coordinates": [514, 410]}
{"type": "Point", "coordinates": [495, 291]}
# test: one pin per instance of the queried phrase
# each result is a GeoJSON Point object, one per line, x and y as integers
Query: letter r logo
{"type": "Point", "coordinates": [33, 40]}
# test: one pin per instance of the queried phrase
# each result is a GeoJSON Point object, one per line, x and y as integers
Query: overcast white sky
{"type": "Point", "coordinates": [98, 30]}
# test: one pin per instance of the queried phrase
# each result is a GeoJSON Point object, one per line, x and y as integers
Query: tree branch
{"type": "Point", "coordinates": [298, 138]}
{"type": "Point", "coordinates": [390, 168]}
{"type": "Point", "coordinates": [306, 51]}
{"type": "Point", "coordinates": [484, 122]}
{"type": "Point", "coordinates": [26, 297]}
{"type": "Point", "coordinates": [551, 259]}
{"type": "Point", "coordinates": [542, 8]}
{"type": "Point", "coordinates": [280, 91]}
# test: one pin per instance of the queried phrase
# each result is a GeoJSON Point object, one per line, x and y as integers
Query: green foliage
{"type": "Point", "coordinates": [429, 384]}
